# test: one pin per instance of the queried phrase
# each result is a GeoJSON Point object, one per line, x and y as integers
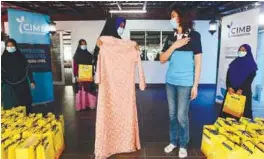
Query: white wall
{"type": "Point", "coordinates": [155, 72]}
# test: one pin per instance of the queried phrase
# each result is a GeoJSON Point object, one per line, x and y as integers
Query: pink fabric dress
{"type": "Point", "coordinates": [117, 121]}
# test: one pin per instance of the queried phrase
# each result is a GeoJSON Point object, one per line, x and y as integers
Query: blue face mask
{"type": "Point", "coordinates": [11, 49]}
{"type": "Point", "coordinates": [174, 24]}
{"type": "Point", "coordinates": [83, 47]}
{"type": "Point", "coordinates": [241, 53]}
{"type": "Point", "coordinates": [120, 31]}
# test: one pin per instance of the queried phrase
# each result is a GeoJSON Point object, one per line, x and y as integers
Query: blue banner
{"type": "Point", "coordinates": [27, 27]}
{"type": "Point", "coordinates": [38, 56]}
{"type": "Point", "coordinates": [31, 31]}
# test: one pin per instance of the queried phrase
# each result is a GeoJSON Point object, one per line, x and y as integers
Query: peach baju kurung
{"type": "Point", "coordinates": [117, 121]}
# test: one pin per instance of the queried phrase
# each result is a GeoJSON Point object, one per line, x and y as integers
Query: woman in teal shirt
{"type": "Point", "coordinates": [183, 51]}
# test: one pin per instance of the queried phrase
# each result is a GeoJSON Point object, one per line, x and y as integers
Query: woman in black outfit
{"type": "Point", "coordinates": [240, 75]}
{"type": "Point", "coordinates": [17, 78]}
{"type": "Point", "coordinates": [84, 57]}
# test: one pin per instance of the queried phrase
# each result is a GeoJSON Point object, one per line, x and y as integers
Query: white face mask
{"type": "Point", "coordinates": [120, 31]}
{"type": "Point", "coordinates": [174, 24]}
{"type": "Point", "coordinates": [11, 49]}
{"type": "Point", "coordinates": [83, 47]}
{"type": "Point", "coordinates": [241, 53]}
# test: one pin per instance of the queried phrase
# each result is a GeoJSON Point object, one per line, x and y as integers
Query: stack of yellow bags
{"type": "Point", "coordinates": [31, 137]}
{"type": "Point", "coordinates": [229, 139]}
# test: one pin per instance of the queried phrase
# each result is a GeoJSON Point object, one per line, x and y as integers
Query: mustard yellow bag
{"type": "Point", "coordinates": [234, 104]}
{"type": "Point", "coordinates": [259, 143]}
{"type": "Point", "coordinates": [45, 150]}
{"type": "Point", "coordinates": [222, 123]}
{"type": "Point", "coordinates": [253, 151]}
{"type": "Point", "coordinates": [225, 150]}
{"type": "Point", "coordinates": [86, 73]}
{"type": "Point", "coordinates": [245, 136]}
{"type": "Point", "coordinates": [231, 135]}
{"type": "Point", "coordinates": [12, 149]}
{"type": "Point", "coordinates": [260, 121]}
{"type": "Point", "coordinates": [27, 150]}
{"type": "Point", "coordinates": [210, 139]}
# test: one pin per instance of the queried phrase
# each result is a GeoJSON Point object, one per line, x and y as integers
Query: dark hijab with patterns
{"type": "Point", "coordinates": [241, 68]}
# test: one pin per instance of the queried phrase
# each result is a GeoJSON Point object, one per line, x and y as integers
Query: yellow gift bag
{"type": "Point", "coordinates": [27, 150]}
{"type": "Point", "coordinates": [225, 150]}
{"type": "Point", "coordinates": [45, 150]}
{"type": "Point", "coordinates": [253, 151]}
{"type": "Point", "coordinates": [222, 123]}
{"type": "Point", "coordinates": [210, 139]}
{"type": "Point", "coordinates": [234, 104]}
{"type": "Point", "coordinates": [86, 73]}
{"type": "Point", "coordinates": [260, 121]}
{"type": "Point", "coordinates": [231, 135]}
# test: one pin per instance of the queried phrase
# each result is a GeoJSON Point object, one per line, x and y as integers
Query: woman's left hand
{"type": "Point", "coordinates": [194, 92]}
{"type": "Point", "coordinates": [239, 92]}
{"type": "Point", "coordinates": [32, 85]}
{"type": "Point", "coordinates": [137, 47]}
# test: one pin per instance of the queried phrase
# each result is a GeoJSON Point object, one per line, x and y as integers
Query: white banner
{"type": "Point", "coordinates": [237, 29]}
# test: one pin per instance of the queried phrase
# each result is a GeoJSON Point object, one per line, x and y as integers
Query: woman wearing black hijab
{"type": "Point", "coordinates": [83, 57]}
{"type": "Point", "coordinates": [16, 78]}
{"type": "Point", "coordinates": [113, 27]}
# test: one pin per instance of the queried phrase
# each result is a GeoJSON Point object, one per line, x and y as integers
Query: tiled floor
{"type": "Point", "coordinates": [153, 122]}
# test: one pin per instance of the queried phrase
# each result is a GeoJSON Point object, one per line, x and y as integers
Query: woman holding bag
{"type": "Point", "coordinates": [86, 96]}
{"type": "Point", "coordinates": [240, 76]}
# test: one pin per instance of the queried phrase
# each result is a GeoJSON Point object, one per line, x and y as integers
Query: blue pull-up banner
{"type": "Point", "coordinates": [31, 31]}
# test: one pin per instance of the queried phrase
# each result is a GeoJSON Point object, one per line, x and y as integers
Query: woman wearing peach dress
{"type": "Point", "coordinates": [117, 121]}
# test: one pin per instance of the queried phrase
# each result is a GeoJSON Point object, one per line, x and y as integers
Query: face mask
{"type": "Point", "coordinates": [11, 49]}
{"type": "Point", "coordinates": [83, 47]}
{"type": "Point", "coordinates": [174, 24]}
{"type": "Point", "coordinates": [241, 53]}
{"type": "Point", "coordinates": [120, 31]}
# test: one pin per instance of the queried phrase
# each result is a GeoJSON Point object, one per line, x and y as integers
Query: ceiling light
{"type": "Point", "coordinates": [212, 26]}
{"type": "Point", "coordinates": [257, 4]}
{"type": "Point", "coordinates": [128, 11]}
{"type": "Point", "coordinates": [261, 19]}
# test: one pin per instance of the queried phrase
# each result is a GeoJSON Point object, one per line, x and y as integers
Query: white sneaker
{"type": "Point", "coordinates": [169, 148]}
{"type": "Point", "coordinates": [183, 153]}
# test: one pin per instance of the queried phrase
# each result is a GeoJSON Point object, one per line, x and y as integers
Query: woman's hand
{"type": "Point", "coordinates": [32, 85]}
{"type": "Point", "coordinates": [194, 92]}
{"type": "Point", "coordinates": [239, 92]}
{"type": "Point", "coordinates": [99, 43]}
{"type": "Point", "coordinates": [137, 47]}
{"type": "Point", "coordinates": [231, 90]}
{"type": "Point", "coordinates": [179, 43]}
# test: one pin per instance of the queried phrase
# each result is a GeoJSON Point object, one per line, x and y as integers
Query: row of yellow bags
{"type": "Point", "coordinates": [31, 137]}
{"type": "Point", "coordinates": [231, 139]}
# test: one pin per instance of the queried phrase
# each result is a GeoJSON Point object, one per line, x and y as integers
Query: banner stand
{"type": "Point", "coordinates": [31, 31]}
{"type": "Point", "coordinates": [235, 31]}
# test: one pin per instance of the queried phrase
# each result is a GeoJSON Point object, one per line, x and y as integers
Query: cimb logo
{"type": "Point", "coordinates": [27, 28]}
{"type": "Point", "coordinates": [240, 30]}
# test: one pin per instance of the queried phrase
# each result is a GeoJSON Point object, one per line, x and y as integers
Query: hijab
{"type": "Point", "coordinates": [110, 29]}
{"type": "Point", "coordinates": [13, 65]}
{"type": "Point", "coordinates": [120, 20]}
{"type": "Point", "coordinates": [242, 67]}
{"type": "Point", "coordinates": [83, 56]}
